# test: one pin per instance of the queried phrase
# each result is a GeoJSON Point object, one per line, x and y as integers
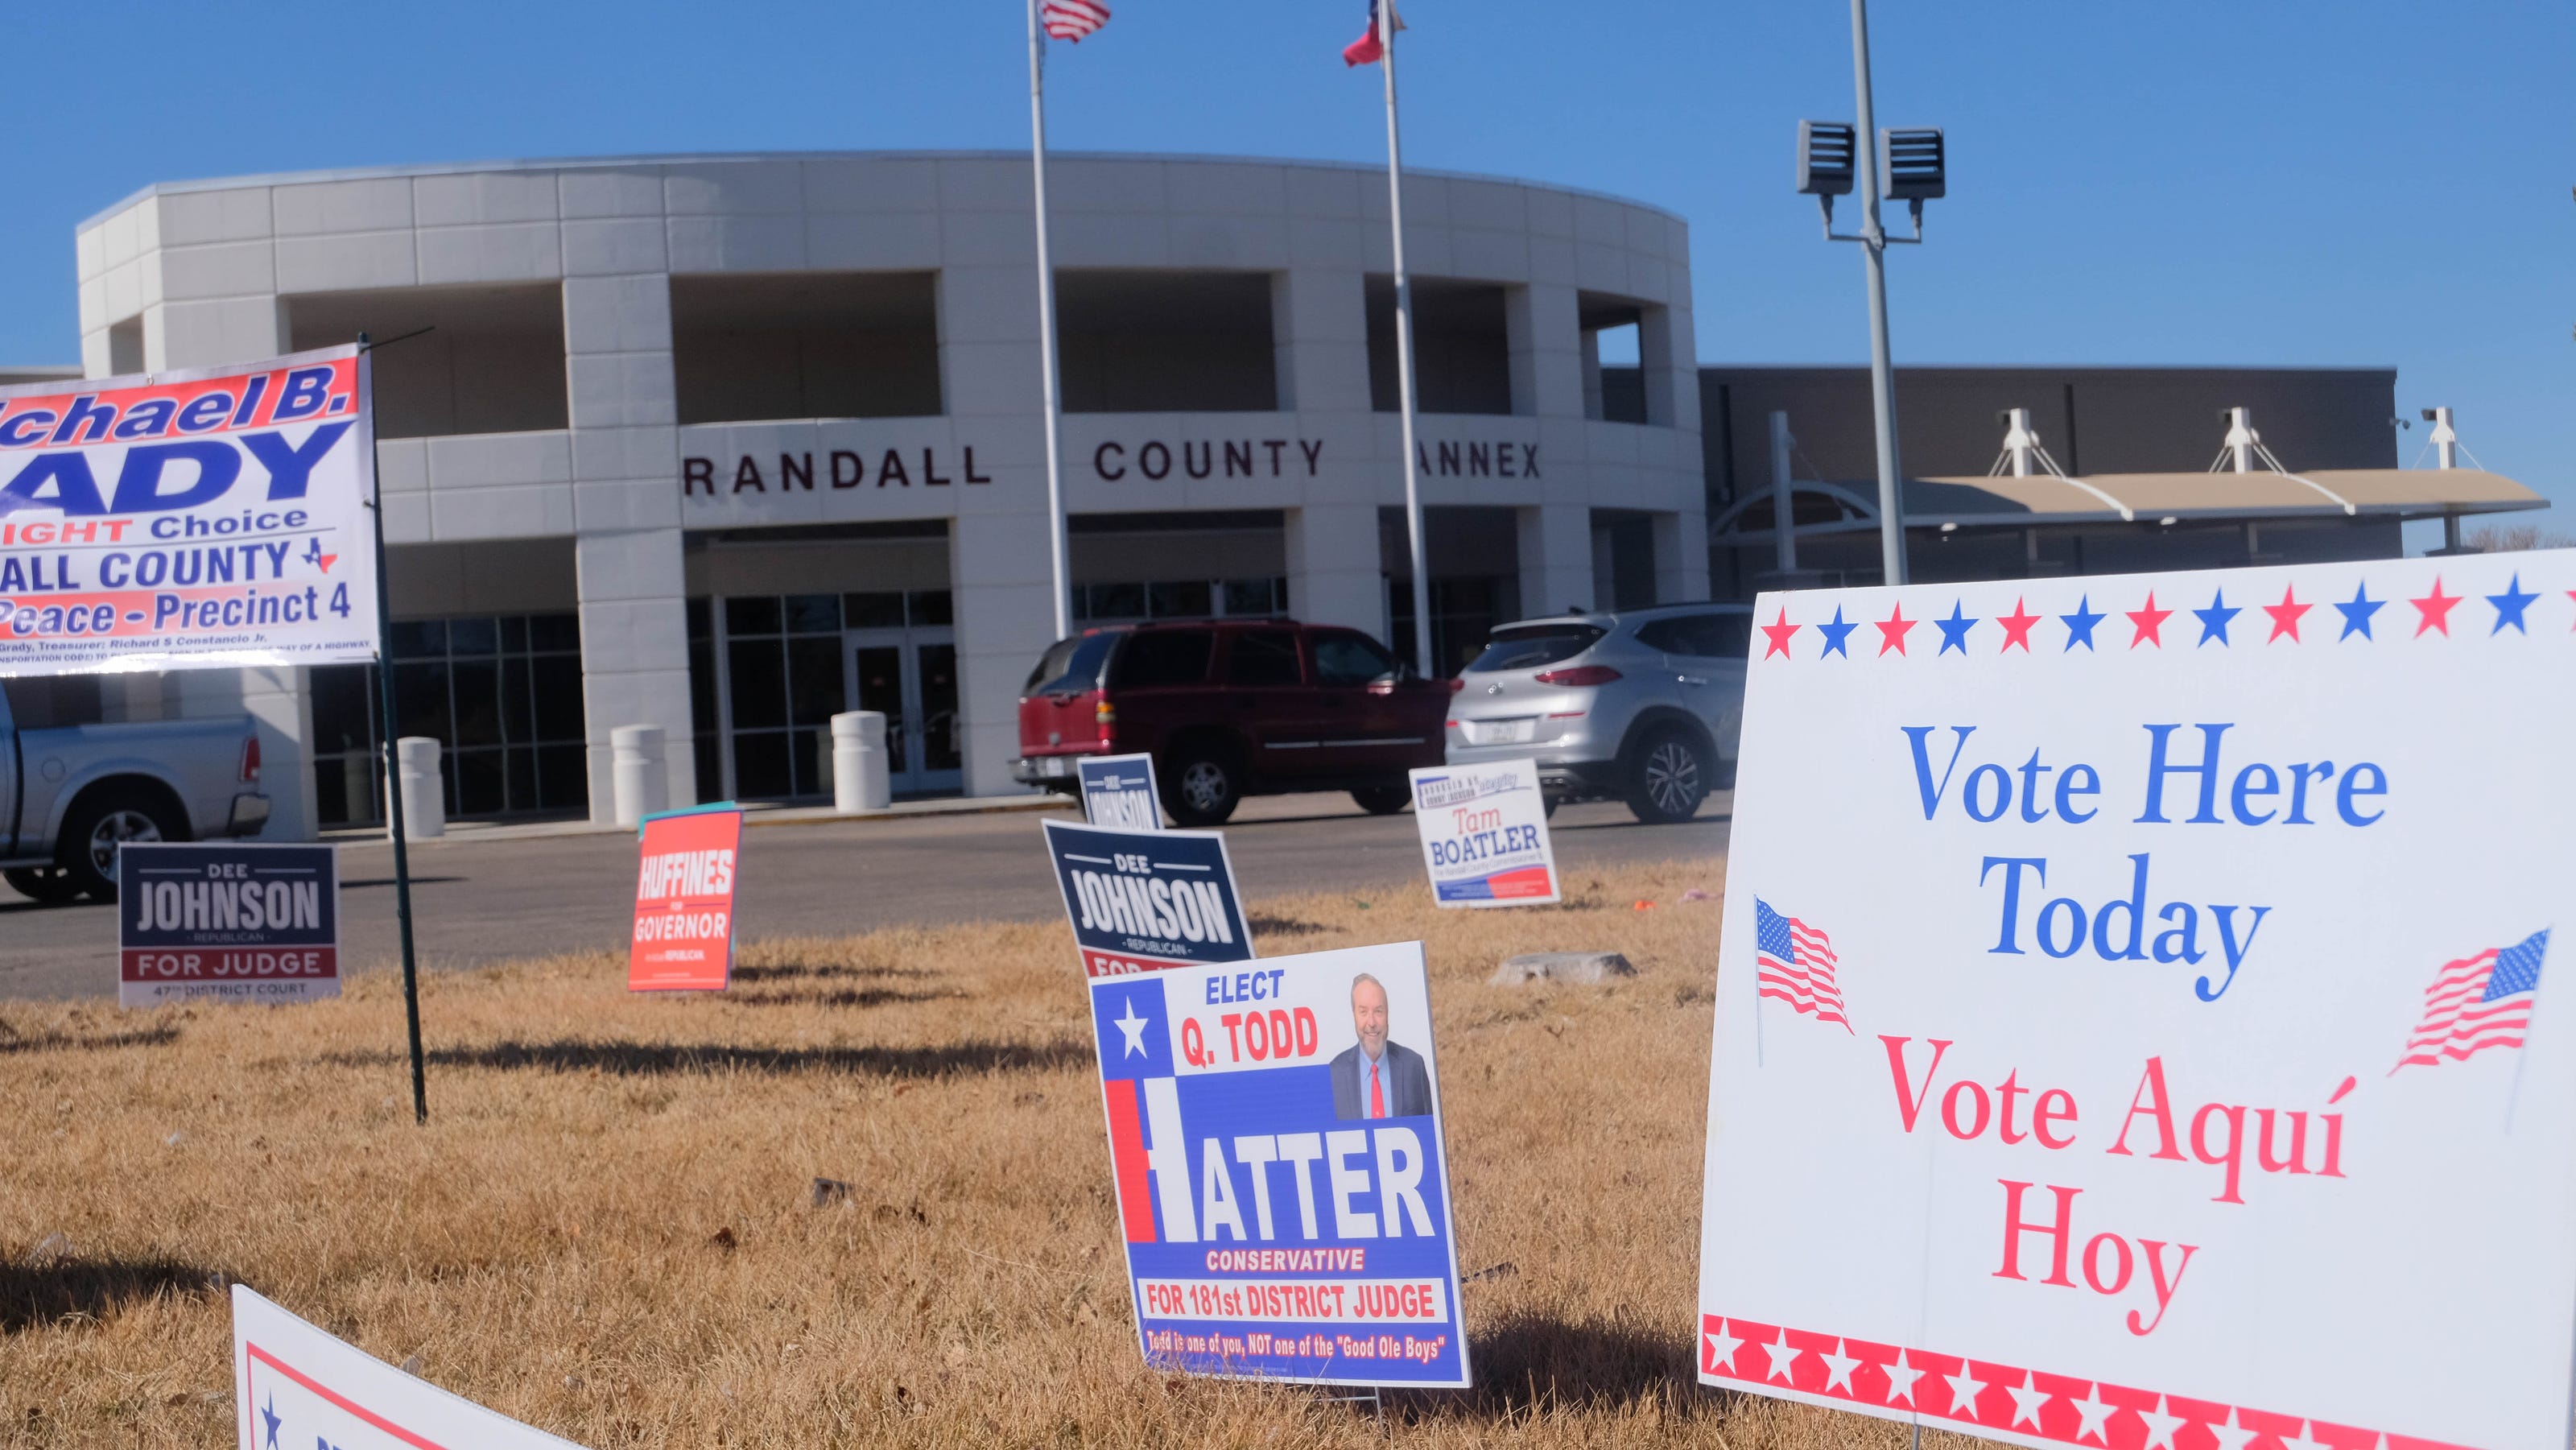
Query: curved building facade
{"type": "Point", "coordinates": [729, 444]}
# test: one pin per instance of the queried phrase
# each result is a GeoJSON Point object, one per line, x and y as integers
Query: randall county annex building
{"type": "Point", "coordinates": [731, 444]}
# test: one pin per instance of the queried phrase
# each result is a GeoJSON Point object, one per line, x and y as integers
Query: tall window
{"type": "Point", "coordinates": [500, 694]}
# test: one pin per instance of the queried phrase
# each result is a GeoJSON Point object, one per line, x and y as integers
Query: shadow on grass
{"type": "Point", "coordinates": [77, 1290]}
{"type": "Point", "coordinates": [664, 1059]}
{"type": "Point", "coordinates": [837, 997]}
{"type": "Point", "coordinates": [791, 971]}
{"type": "Point", "coordinates": [1529, 1362]}
{"type": "Point", "coordinates": [1284, 926]}
{"type": "Point", "coordinates": [11, 1042]}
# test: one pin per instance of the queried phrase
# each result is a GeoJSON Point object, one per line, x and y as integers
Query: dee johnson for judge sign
{"type": "Point", "coordinates": [2139, 1020]}
{"type": "Point", "coordinates": [229, 923]}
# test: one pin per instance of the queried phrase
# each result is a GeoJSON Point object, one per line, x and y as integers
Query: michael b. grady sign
{"type": "Point", "coordinates": [2139, 1021]}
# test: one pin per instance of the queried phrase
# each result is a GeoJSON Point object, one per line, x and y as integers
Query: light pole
{"type": "Point", "coordinates": [1903, 165]}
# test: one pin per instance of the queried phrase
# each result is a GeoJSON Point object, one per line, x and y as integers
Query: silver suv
{"type": "Point", "coordinates": [1640, 705]}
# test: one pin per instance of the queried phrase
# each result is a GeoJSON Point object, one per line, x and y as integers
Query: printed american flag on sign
{"type": "Point", "coordinates": [1794, 963]}
{"type": "Point", "coordinates": [2476, 1003]}
{"type": "Point", "coordinates": [1072, 19]}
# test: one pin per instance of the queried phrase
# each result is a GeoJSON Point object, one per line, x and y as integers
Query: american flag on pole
{"type": "Point", "coordinates": [1072, 19]}
{"type": "Point", "coordinates": [2476, 1003]}
{"type": "Point", "coordinates": [1794, 963]}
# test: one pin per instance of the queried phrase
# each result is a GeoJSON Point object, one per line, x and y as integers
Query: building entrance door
{"type": "Point", "coordinates": [911, 675]}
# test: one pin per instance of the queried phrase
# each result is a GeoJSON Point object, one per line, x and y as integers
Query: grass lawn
{"type": "Point", "coordinates": [608, 1228]}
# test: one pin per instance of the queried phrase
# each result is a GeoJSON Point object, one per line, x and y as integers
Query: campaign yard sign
{"type": "Point", "coordinates": [189, 519]}
{"type": "Point", "coordinates": [1484, 834]}
{"type": "Point", "coordinates": [2134, 1017]}
{"type": "Point", "coordinates": [226, 923]}
{"type": "Point", "coordinates": [1141, 901]}
{"type": "Point", "coordinates": [1118, 790]}
{"type": "Point", "coordinates": [1274, 1133]}
{"type": "Point", "coordinates": [684, 916]}
{"type": "Point", "coordinates": [296, 1386]}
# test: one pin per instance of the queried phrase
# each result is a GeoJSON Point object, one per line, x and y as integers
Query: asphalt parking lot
{"type": "Point", "coordinates": [484, 900]}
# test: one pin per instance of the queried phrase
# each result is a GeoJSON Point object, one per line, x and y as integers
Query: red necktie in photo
{"type": "Point", "coordinates": [1377, 1095]}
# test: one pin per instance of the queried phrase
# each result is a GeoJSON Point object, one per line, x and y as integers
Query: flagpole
{"type": "Point", "coordinates": [1058, 567]}
{"type": "Point", "coordinates": [1404, 353]}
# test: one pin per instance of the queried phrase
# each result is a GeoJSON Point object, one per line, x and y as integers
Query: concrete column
{"type": "Point", "coordinates": [1664, 348]}
{"type": "Point", "coordinates": [1556, 558]}
{"type": "Point", "coordinates": [1334, 573]}
{"type": "Point", "coordinates": [1681, 557]}
{"type": "Point", "coordinates": [1003, 625]}
{"type": "Point", "coordinates": [1542, 327]}
{"type": "Point", "coordinates": [989, 362]}
{"type": "Point", "coordinates": [625, 449]}
{"type": "Point", "coordinates": [206, 325]}
{"type": "Point", "coordinates": [1319, 328]}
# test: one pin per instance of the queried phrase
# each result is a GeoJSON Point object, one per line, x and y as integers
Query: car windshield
{"type": "Point", "coordinates": [1070, 666]}
{"type": "Point", "coordinates": [1528, 646]}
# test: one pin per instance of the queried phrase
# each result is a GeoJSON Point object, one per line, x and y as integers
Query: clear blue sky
{"type": "Point", "coordinates": [2351, 183]}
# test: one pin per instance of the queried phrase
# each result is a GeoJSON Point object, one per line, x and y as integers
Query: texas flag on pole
{"type": "Point", "coordinates": [1073, 19]}
{"type": "Point", "coordinates": [1369, 49]}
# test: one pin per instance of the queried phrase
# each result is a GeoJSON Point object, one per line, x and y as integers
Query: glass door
{"type": "Point", "coordinates": [911, 676]}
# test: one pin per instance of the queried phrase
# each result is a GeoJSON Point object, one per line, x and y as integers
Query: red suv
{"type": "Point", "coordinates": [1230, 708]}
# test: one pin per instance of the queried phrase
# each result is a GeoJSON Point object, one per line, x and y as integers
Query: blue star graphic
{"type": "Point", "coordinates": [2079, 625]}
{"type": "Point", "coordinates": [2213, 620]}
{"type": "Point", "coordinates": [2356, 615]}
{"type": "Point", "coordinates": [1954, 630]}
{"type": "Point", "coordinates": [2509, 606]}
{"type": "Point", "coordinates": [1835, 633]}
{"type": "Point", "coordinates": [271, 1416]}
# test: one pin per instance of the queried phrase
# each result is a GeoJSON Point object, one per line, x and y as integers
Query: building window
{"type": "Point", "coordinates": [1463, 612]}
{"type": "Point", "coordinates": [501, 694]}
{"type": "Point", "coordinates": [1178, 599]}
{"type": "Point", "coordinates": [486, 359]}
{"type": "Point", "coordinates": [1462, 357]}
{"type": "Point", "coordinates": [1137, 341]}
{"type": "Point", "coordinates": [786, 674]}
{"type": "Point", "coordinates": [805, 345]}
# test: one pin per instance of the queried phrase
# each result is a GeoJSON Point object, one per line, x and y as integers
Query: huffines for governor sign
{"type": "Point", "coordinates": [2139, 1011]}
{"type": "Point", "coordinates": [182, 519]}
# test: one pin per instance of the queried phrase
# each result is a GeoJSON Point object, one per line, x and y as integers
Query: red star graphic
{"type": "Point", "coordinates": [2285, 616]}
{"type": "Point", "coordinates": [2435, 609]}
{"type": "Point", "coordinates": [1891, 630]}
{"type": "Point", "coordinates": [1779, 635]}
{"type": "Point", "coordinates": [2017, 626]}
{"type": "Point", "coordinates": [2149, 620]}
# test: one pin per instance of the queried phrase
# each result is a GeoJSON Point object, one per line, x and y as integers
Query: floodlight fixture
{"type": "Point", "coordinates": [1825, 156]}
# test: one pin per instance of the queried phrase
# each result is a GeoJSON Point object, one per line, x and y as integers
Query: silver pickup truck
{"type": "Point", "coordinates": [74, 786]}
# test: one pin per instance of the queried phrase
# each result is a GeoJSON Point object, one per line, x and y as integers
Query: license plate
{"type": "Point", "coordinates": [1055, 765]}
{"type": "Point", "coordinates": [1501, 732]}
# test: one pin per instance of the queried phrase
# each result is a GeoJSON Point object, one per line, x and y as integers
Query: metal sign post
{"type": "Point", "coordinates": [393, 781]}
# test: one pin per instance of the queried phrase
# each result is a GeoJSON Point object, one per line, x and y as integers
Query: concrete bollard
{"type": "Point", "coordinates": [860, 775]}
{"type": "Point", "coordinates": [424, 788]}
{"type": "Point", "coordinates": [636, 773]}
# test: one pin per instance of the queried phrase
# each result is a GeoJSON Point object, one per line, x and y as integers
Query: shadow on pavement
{"type": "Point", "coordinates": [656, 1059]}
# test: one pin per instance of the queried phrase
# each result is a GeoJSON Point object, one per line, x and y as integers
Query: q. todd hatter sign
{"type": "Point", "coordinates": [2138, 1023]}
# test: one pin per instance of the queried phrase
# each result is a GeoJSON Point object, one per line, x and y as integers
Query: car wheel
{"type": "Point", "coordinates": [1669, 777]}
{"type": "Point", "coordinates": [45, 885]}
{"type": "Point", "coordinates": [98, 829]}
{"type": "Point", "coordinates": [1383, 800]}
{"type": "Point", "coordinates": [1205, 788]}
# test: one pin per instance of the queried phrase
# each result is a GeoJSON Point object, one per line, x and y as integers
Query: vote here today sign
{"type": "Point", "coordinates": [684, 902]}
{"type": "Point", "coordinates": [187, 519]}
{"type": "Point", "coordinates": [1484, 834]}
{"type": "Point", "coordinates": [296, 1386]}
{"type": "Point", "coordinates": [2138, 1021]}
{"type": "Point", "coordinates": [1274, 1130]}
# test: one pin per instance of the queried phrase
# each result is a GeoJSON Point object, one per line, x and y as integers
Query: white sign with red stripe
{"type": "Point", "coordinates": [295, 1386]}
{"type": "Point", "coordinates": [2134, 1021]}
{"type": "Point", "coordinates": [1484, 834]}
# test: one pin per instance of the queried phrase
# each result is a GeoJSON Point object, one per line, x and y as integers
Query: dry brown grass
{"type": "Point", "coordinates": [606, 1229]}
